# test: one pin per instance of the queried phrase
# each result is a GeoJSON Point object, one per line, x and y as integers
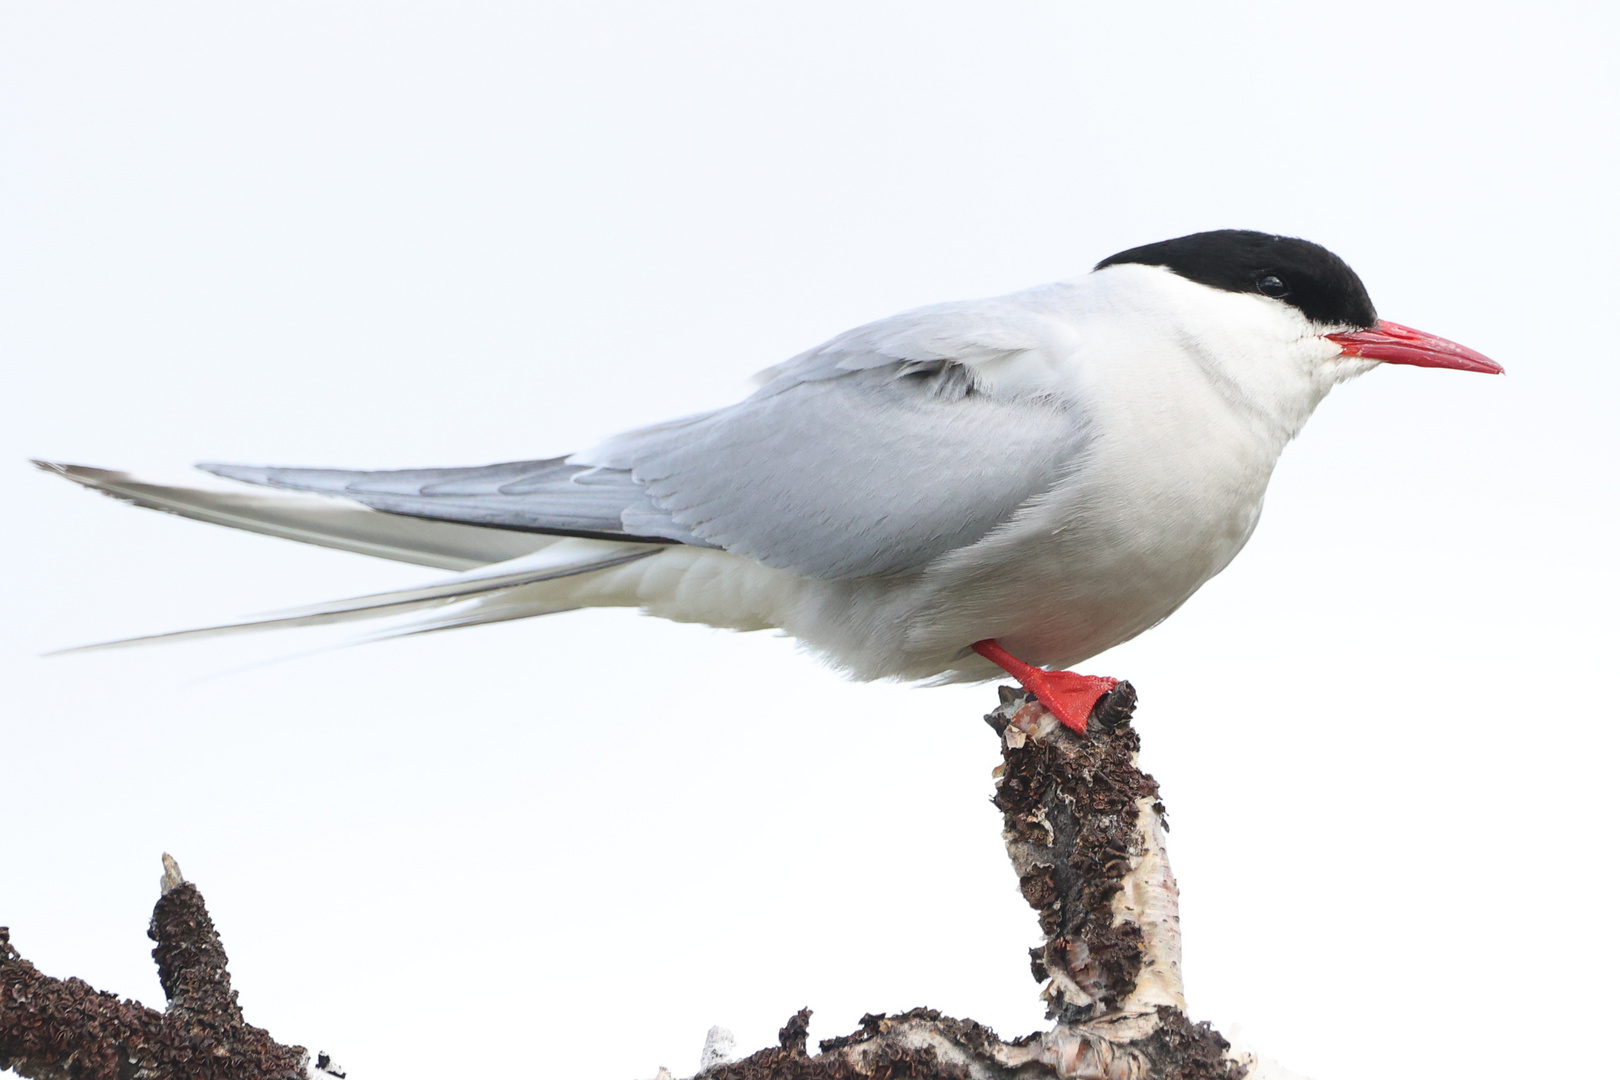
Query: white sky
{"type": "Point", "coordinates": [388, 235]}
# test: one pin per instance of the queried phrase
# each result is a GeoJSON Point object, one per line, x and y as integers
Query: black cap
{"type": "Point", "coordinates": [1294, 271]}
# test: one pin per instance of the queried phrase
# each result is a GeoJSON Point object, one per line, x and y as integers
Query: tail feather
{"type": "Point", "coordinates": [564, 559]}
{"type": "Point", "coordinates": [473, 613]}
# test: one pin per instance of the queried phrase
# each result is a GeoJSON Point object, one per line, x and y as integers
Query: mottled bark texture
{"type": "Point", "coordinates": [1085, 832]}
{"type": "Point", "coordinates": [64, 1029]}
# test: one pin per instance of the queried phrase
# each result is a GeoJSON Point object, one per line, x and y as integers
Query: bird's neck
{"type": "Point", "coordinates": [1187, 350]}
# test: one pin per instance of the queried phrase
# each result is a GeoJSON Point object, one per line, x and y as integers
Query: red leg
{"type": "Point", "coordinates": [1071, 697]}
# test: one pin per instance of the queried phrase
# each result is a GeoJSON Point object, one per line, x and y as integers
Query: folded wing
{"type": "Point", "coordinates": [543, 496]}
{"type": "Point", "coordinates": [872, 454]}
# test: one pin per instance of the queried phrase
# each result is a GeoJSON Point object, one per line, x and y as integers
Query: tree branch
{"type": "Point", "coordinates": [64, 1029]}
{"type": "Point", "coordinates": [1084, 829]}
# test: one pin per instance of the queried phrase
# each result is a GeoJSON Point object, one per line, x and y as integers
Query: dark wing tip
{"type": "Point", "coordinates": [88, 475]}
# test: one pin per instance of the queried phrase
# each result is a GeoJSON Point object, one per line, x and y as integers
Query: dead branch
{"type": "Point", "coordinates": [65, 1029]}
{"type": "Point", "coordinates": [1084, 830]}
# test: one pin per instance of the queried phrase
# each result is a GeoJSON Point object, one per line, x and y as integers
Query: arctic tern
{"type": "Point", "coordinates": [1010, 484]}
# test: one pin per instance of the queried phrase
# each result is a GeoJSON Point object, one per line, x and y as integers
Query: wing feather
{"type": "Point", "coordinates": [874, 453]}
{"type": "Point", "coordinates": [324, 522]}
{"type": "Point", "coordinates": [528, 496]}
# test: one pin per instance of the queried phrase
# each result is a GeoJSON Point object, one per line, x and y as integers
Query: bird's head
{"type": "Point", "coordinates": [1314, 296]}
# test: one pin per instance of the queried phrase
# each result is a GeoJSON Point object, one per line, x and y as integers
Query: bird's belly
{"type": "Point", "coordinates": [1094, 564]}
{"type": "Point", "coordinates": [1086, 597]}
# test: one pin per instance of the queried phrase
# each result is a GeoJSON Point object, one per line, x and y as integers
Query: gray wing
{"type": "Point", "coordinates": [872, 454]}
{"type": "Point", "coordinates": [545, 496]}
{"type": "Point", "coordinates": [874, 472]}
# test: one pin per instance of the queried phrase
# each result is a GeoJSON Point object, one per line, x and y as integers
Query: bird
{"type": "Point", "coordinates": [1012, 484]}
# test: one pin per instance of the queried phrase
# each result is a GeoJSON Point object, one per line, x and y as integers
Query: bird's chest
{"type": "Point", "coordinates": [1170, 493]}
{"type": "Point", "coordinates": [1174, 472]}
{"type": "Point", "coordinates": [1163, 500]}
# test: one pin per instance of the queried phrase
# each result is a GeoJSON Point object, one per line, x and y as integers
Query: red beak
{"type": "Point", "coordinates": [1396, 344]}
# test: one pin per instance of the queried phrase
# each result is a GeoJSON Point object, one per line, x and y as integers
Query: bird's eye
{"type": "Point", "coordinates": [1272, 285]}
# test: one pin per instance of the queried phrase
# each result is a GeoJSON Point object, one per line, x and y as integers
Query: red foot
{"type": "Point", "coordinates": [1071, 697]}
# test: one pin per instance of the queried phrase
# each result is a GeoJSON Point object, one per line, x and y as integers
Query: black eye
{"type": "Point", "coordinates": [1272, 285]}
